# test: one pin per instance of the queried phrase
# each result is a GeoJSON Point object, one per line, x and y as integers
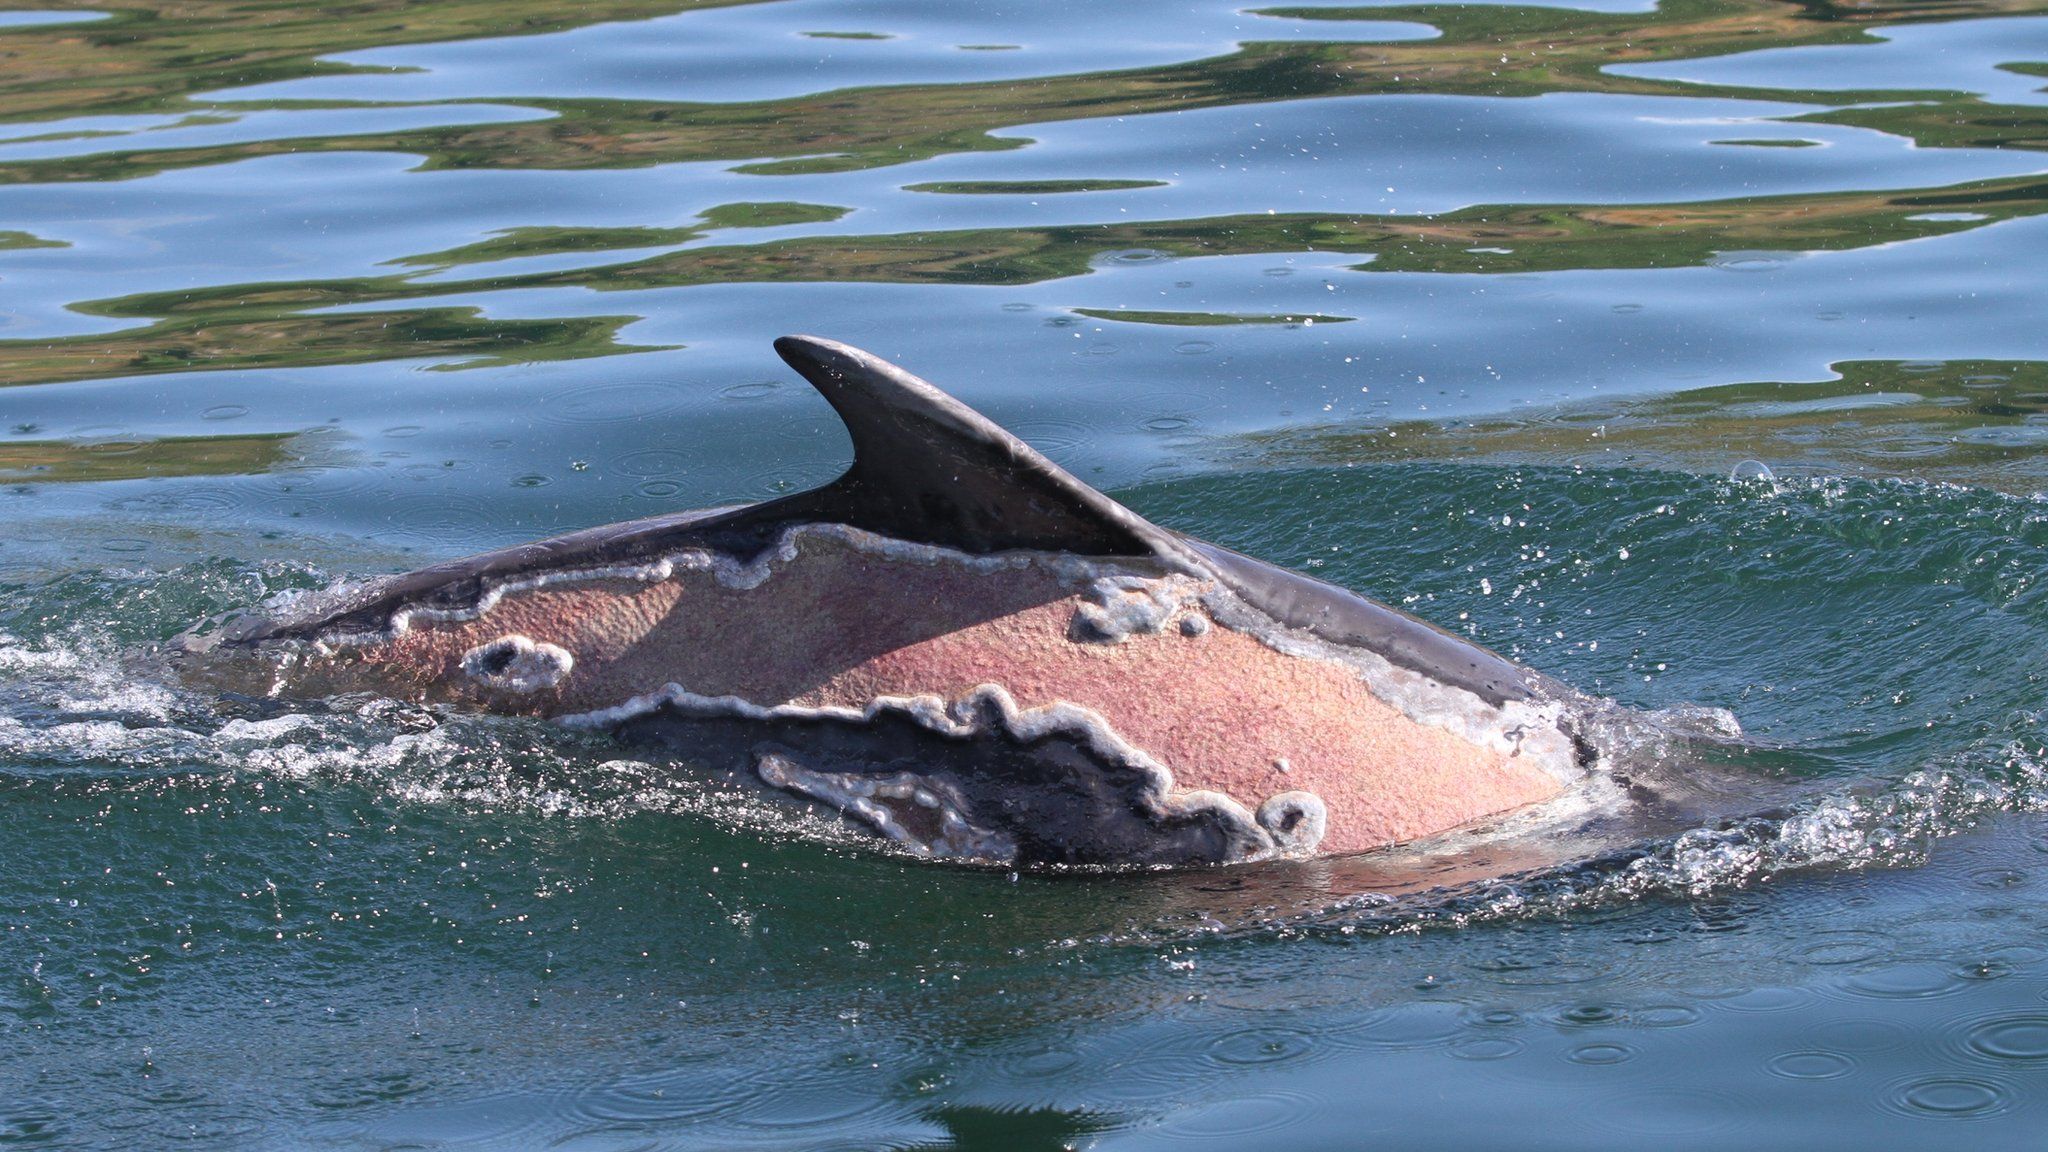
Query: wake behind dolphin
{"type": "Point", "coordinates": [965, 650]}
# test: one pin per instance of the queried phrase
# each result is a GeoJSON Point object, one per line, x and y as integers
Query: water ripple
{"type": "Point", "coordinates": [1811, 1065]}
{"type": "Point", "coordinates": [612, 403]}
{"type": "Point", "coordinates": [1242, 1117]}
{"type": "Point", "coordinates": [1947, 1098]}
{"type": "Point", "coordinates": [2008, 1039]}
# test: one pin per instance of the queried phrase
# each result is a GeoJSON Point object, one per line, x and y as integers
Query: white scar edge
{"type": "Point", "coordinates": [731, 573]}
{"type": "Point", "coordinates": [518, 664]}
{"type": "Point", "coordinates": [1249, 839]}
{"type": "Point", "coordinates": [1126, 603]}
{"type": "Point", "coordinates": [866, 797]}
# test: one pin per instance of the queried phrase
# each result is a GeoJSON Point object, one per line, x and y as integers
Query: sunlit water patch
{"type": "Point", "coordinates": [765, 52]}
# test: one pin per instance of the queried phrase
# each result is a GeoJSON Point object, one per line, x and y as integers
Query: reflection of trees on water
{"type": "Point", "coordinates": [161, 61]}
{"type": "Point", "coordinates": [1963, 421]}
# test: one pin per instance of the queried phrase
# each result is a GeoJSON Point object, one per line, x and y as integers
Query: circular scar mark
{"type": "Point", "coordinates": [1296, 820]}
{"type": "Point", "coordinates": [517, 664]}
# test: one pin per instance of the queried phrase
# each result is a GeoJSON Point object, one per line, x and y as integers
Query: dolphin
{"type": "Point", "coordinates": [966, 651]}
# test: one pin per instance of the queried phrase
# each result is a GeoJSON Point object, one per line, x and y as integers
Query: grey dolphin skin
{"type": "Point", "coordinates": [966, 651]}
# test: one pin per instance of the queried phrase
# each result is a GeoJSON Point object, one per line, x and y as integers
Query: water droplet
{"type": "Point", "coordinates": [1588, 1015]}
{"type": "Point", "coordinates": [1258, 1046]}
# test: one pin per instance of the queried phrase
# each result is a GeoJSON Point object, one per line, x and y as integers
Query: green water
{"type": "Point", "coordinates": [1691, 354]}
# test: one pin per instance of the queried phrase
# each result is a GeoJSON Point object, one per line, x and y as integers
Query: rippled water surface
{"type": "Point", "coordinates": [1692, 354]}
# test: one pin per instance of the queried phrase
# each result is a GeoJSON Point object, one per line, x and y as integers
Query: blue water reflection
{"type": "Point", "coordinates": [1427, 154]}
{"type": "Point", "coordinates": [769, 52]}
{"type": "Point", "coordinates": [89, 135]}
{"type": "Point", "coordinates": [1965, 56]}
{"type": "Point", "coordinates": [33, 19]}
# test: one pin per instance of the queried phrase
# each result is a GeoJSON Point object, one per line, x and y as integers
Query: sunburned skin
{"type": "Point", "coordinates": [969, 652]}
{"type": "Point", "coordinates": [840, 626]}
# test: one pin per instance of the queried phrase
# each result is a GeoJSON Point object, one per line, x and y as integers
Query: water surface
{"type": "Point", "coordinates": [1688, 353]}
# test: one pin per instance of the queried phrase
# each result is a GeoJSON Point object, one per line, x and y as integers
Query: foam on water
{"type": "Point", "coordinates": [84, 702]}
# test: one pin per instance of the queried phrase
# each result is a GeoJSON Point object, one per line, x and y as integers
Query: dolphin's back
{"type": "Point", "coordinates": [968, 649]}
{"type": "Point", "coordinates": [928, 469]}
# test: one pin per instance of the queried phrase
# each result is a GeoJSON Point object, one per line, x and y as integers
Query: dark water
{"type": "Point", "coordinates": [1693, 354]}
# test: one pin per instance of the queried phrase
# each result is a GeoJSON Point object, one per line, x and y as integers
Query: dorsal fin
{"type": "Point", "coordinates": [930, 469]}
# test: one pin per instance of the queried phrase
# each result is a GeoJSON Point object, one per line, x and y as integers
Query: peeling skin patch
{"type": "Point", "coordinates": [1121, 603]}
{"type": "Point", "coordinates": [1296, 821]}
{"type": "Point", "coordinates": [1124, 606]}
{"type": "Point", "coordinates": [923, 814]}
{"type": "Point", "coordinates": [727, 570]}
{"type": "Point", "coordinates": [518, 664]}
{"type": "Point", "coordinates": [834, 618]}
